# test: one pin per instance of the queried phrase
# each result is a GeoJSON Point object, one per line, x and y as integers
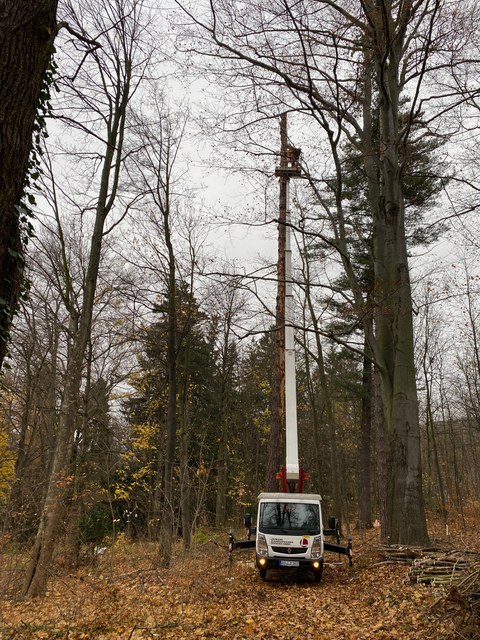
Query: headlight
{"type": "Point", "coordinates": [316, 551]}
{"type": "Point", "coordinates": [262, 548]}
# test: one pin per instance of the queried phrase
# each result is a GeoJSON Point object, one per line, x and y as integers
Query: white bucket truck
{"type": "Point", "coordinates": [289, 533]}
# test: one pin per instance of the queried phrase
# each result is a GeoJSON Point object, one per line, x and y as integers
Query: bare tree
{"type": "Point", "coordinates": [433, 349]}
{"type": "Point", "coordinates": [159, 134]}
{"type": "Point", "coordinates": [118, 66]}
{"type": "Point", "coordinates": [226, 305]}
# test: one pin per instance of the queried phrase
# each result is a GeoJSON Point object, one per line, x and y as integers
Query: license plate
{"type": "Point", "coordinates": [289, 563]}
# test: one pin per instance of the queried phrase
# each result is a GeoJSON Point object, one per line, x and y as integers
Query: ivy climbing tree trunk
{"type": "Point", "coordinates": [27, 32]}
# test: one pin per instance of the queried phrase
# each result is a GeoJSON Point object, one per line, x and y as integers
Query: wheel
{"type": "Point", "coordinates": [263, 574]}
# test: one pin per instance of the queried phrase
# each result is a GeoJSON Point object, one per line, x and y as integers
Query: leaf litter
{"type": "Point", "coordinates": [204, 596]}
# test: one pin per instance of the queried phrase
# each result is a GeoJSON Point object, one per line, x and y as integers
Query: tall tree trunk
{"type": "Point", "coordinates": [225, 412]}
{"type": "Point", "coordinates": [430, 425]}
{"type": "Point", "coordinates": [27, 32]}
{"type": "Point", "coordinates": [221, 497]}
{"type": "Point", "coordinates": [381, 456]}
{"type": "Point", "coordinates": [327, 416]}
{"type": "Point", "coordinates": [456, 490]}
{"type": "Point", "coordinates": [76, 506]}
{"type": "Point", "coordinates": [316, 422]}
{"type": "Point", "coordinates": [406, 515]}
{"type": "Point", "coordinates": [277, 427]}
{"type": "Point", "coordinates": [406, 521]}
{"type": "Point", "coordinates": [42, 553]}
{"type": "Point", "coordinates": [222, 481]}
{"type": "Point", "coordinates": [185, 479]}
{"type": "Point", "coordinates": [185, 490]}
{"type": "Point", "coordinates": [365, 457]}
{"type": "Point", "coordinates": [168, 513]}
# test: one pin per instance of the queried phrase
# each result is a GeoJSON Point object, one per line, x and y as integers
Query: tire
{"type": "Point", "coordinates": [263, 574]}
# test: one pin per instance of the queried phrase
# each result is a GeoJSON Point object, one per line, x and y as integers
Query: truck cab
{"type": "Point", "coordinates": [289, 533]}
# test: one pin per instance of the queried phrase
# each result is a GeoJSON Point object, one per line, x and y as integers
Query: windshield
{"type": "Point", "coordinates": [296, 518]}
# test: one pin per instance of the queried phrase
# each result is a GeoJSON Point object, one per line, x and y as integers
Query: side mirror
{"type": "Point", "coordinates": [332, 523]}
{"type": "Point", "coordinates": [248, 520]}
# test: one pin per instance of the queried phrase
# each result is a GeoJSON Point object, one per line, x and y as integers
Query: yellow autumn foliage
{"type": "Point", "coordinates": [7, 464]}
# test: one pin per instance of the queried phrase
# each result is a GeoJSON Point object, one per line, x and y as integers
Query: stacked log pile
{"type": "Point", "coordinates": [433, 565]}
{"type": "Point", "coordinates": [456, 575]}
{"type": "Point", "coordinates": [398, 554]}
{"type": "Point", "coordinates": [442, 568]}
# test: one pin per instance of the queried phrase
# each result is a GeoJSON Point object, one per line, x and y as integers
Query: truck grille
{"type": "Point", "coordinates": [290, 550]}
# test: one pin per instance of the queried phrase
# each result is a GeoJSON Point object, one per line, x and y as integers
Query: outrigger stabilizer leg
{"type": "Point", "coordinates": [337, 548]}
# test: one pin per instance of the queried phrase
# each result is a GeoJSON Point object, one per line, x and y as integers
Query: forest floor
{"type": "Point", "coordinates": [201, 596]}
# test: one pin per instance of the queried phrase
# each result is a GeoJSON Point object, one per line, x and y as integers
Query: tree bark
{"type": "Point", "coordinates": [27, 32]}
{"type": "Point", "coordinates": [185, 479]}
{"type": "Point", "coordinates": [394, 320]}
{"type": "Point", "coordinates": [168, 514]}
{"type": "Point", "coordinates": [225, 384]}
{"type": "Point", "coordinates": [380, 457]}
{"type": "Point", "coordinates": [277, 426]}
{"type": "Point", "coordinates": [365, 457]}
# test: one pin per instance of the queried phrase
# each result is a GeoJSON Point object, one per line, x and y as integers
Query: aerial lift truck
{"type": "Point", "coordinates": [290, 532]}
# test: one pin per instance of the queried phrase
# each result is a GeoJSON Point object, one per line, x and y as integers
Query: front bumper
{"type": "Point", "coordinates": [301, 564]}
